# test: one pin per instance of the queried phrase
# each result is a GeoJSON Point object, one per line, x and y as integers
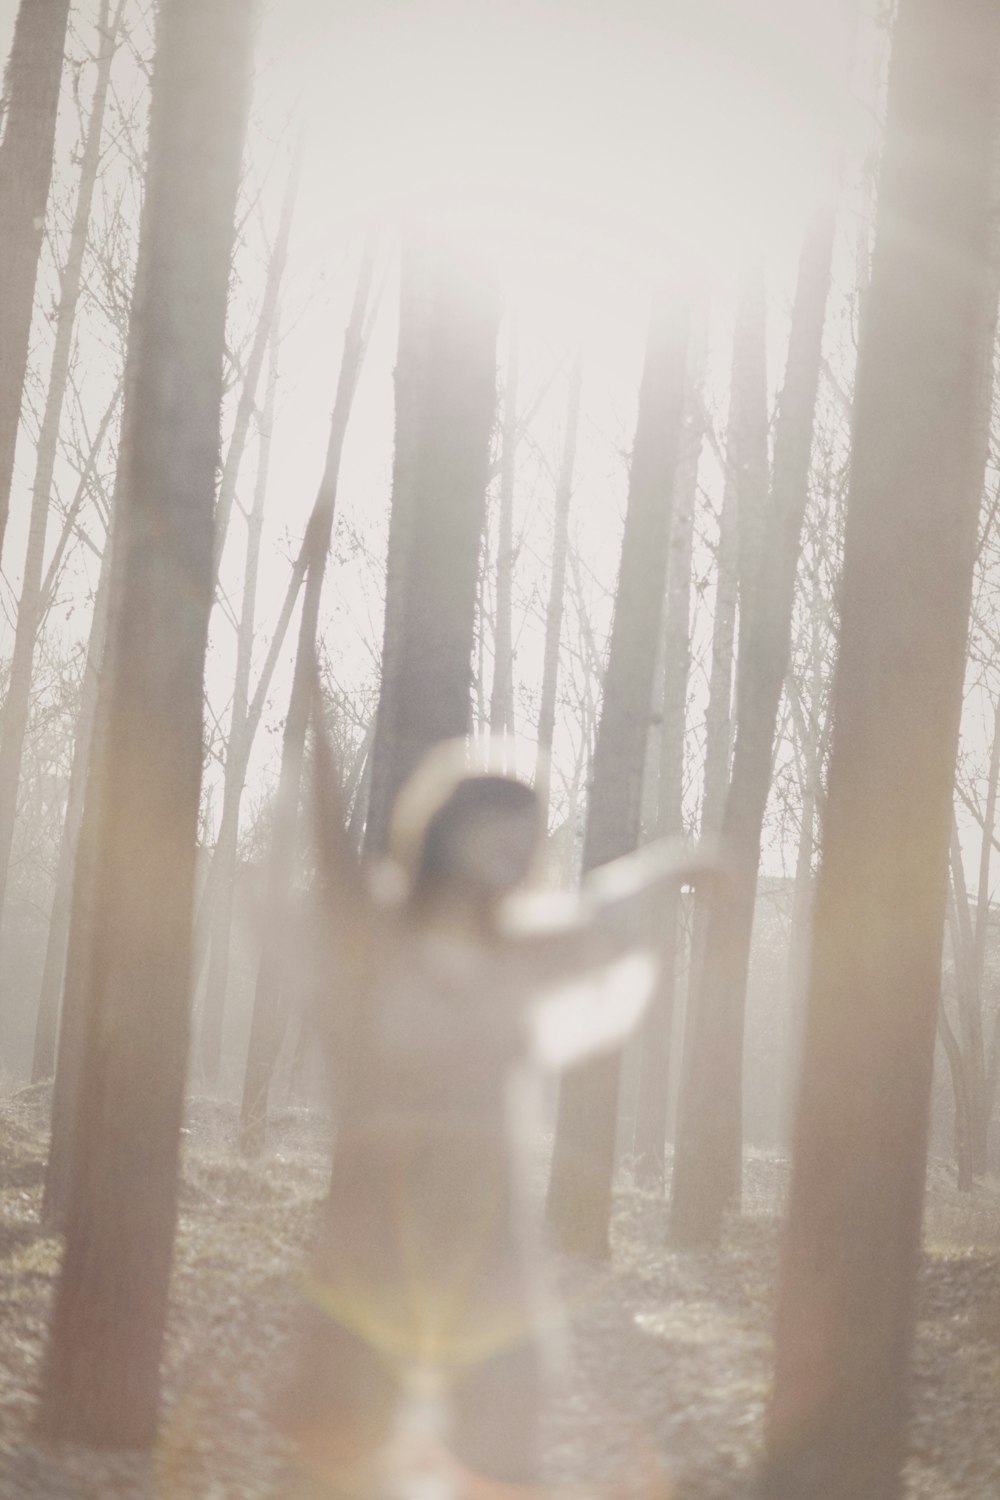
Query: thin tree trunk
{"type": "Point", "coordinates": [502, 696]}
{"type": "Point", "coordinates": [101, 1378]}
{"type": "Point", "coordinates": [810, 731]}
{"type": "Point", "coordinates": [970, 1015]}
{"type": "Point", "coordinates": [744, 502]}
{"type": "Point", "coordinates": [75, 962]}
{"type": "Point", "coordinates": [798, 958]}
{"type": "Point", "coordinates": [963, 1123]}
{"type": "Point", "coordinates": [263, 332]}
{"type": "Point", "coordinates": [579, 1200]}
{"type": "Point", "coordinates": [557, 581]}
{"type": "Point", "coordinates": [31, 600]}
{"type": "Point", "coordinates": [267, 1024]}
{"type": "Point", "coordinates": [445, 406]}
{"type": "Point", "coordinates": [31, 100]}
{"type": "Point", "coordinates": [848, 1281]}
{"type": "Point", "coordinates": [214, 1006]}
{"type": "Point", "coordinates": [46, 1027]}
{"type": "Point", "coordinates": [955, 1050]}
{"type": "Point", "coordinates": [655, 1037]}
{"type": "Point", "coordinates": [215, 908]}
{"type": "Point", "coordinates": [708, 1152]}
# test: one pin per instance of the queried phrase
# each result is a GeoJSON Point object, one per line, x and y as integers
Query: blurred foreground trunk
{"type": "Point", "coordinates": [846, 1305]}
{"type": "Point", "coordinates": [101, 1378]}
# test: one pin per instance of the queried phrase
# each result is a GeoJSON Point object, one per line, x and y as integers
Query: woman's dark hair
{"type": "Point", "coordinates": [475, 794]}
{"type": "Point", "coordinates": [442, 797]}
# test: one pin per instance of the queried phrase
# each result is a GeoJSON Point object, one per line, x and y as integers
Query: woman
{"type": "Point", "coordinates": [448, 980]}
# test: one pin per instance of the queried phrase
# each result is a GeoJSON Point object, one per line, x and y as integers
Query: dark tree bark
{"type": "Point", "coordinates": [101, 1381]}
{"type": "Point", "coordinates": [445, 408]}
{"type": "Point", "coordinates": [267, 1024]}
{"type": "Point", "coordinates": [31, 601]}
{"type": "Point", "coordinates": [31, 101]}
{"type": "Point", "coordinates": [707, 1154]}
{"type": "Point", "coordinates": [846, 1302]}
{"type": "Point", "coordinates": [579, 1200]}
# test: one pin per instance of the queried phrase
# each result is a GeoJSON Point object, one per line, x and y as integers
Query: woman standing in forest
{"type": "Point", "coordinates": [446, 982]}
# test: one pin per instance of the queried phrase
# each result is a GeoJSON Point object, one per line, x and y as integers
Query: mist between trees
{"type": "Point", "coordinates": [617, 392]}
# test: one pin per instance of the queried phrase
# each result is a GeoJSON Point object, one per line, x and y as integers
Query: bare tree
{"type": "Point", "coordinates": [214, 927]}
{"type": "Point", "coordinates": [502, 695]}
{"type": "Point", "coordinates": [101, 1382]}
{"type": "Point", "coordinates": [846, 1304]}
{"type": "Point", "coordinates": [707, 1156]}
{"type": "Point", "coordinates": [560, 550]}
{"type": "Point", "coordinates": [445, 409]}
{"type": "Point", "coordinates": [31, 103]}
{"type": "Point", "coordinates": [268, 1022]}
{"type": "Point", "coordinates": [579, 1200]}
{"type": "Point", "coordinates": [32, 599]}
{"type": "Point", "coordinates": [649, 1141]}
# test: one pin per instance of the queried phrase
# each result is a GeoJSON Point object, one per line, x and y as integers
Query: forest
{"type": "Point", "coordinates": [499, 750]}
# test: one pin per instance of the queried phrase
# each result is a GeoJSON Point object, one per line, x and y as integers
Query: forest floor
{"type": "Point", "coordinates": [671, 1353]}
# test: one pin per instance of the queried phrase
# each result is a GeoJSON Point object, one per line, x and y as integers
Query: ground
{"type": "Point", "coordinates": [670, 1354]}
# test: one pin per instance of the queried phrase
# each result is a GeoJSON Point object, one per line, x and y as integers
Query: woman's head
{"type": "Point", "coordinates": [474, 833]}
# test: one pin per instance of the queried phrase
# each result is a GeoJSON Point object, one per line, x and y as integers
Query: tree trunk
{"type": "Point", "coordinates": [101, 1378]}
{"type": "Point", "coordinates": [744, 502]}
{"type": "Point", "coordinates": [31, 601]}
{"type": "Point", "coordinates": [214, 927]}
{"type": "Point", "coordinates": [963, 1121]}
{"type": "Point", "coordinates": [46, 1028]}
{"type": "Point", "coordinates": [970, 1014]}
{"type": "Point", "coordinates": [262, 338]}
{"type": "Point", "coordinates": [579, 1201]}
{"type": "Point", "coordinates": [957, 1063]}
{"type": "Point", "coordinates": [655, 1037]}
{"type": "Point", "coordinates": [445, 406]}
{"type": "Point", "coordinates": [226, 848]}
{"type": "Point", "coordinates": [848, 1282]}
{"type": "Point", "coordinates": [557, 581]}
{"type": "Point", "coordinates": [267, 1024]}
{"type": "Point", "coordinates": [502, 696]}
{"type": "Point", "coordinates": [707, 1156]}
{"type": "Point", "coordinates": [31, 100]}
